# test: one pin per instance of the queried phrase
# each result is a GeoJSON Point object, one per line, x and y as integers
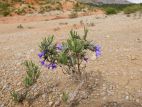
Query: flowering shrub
{"type": "Point", "coordinates": [69, 54]}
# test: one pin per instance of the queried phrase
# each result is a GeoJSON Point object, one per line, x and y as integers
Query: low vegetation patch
{"type": "Point", "coordinates": [32, 74]}
{"type": "Point", "coordinates": [132, 9]}
{"type": "Point", "coordinates": [126, 8]}
{"type": "Point", "coordinates": [110, 10]}
{"type": "Point", "coordinates": [73, 14]}
{"type": "Point", "coordinates": [4, 9]}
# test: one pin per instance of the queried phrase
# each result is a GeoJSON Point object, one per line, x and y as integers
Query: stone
{"type": "Point", "coordinates": [133, 58]}
{"type": "Point", "coordinates": [50, 104]}
{"type": "Point", "coordinates": [138, 100]}
{"type": "Point", "coordinates": [19, 83]}
{"type": "Point", "coordinates": [126, 97]}
{"type": "Point", "coordinates": [107, 36]}
{"type": "Point", "coordinates": [57, 103]}
{"type": "Point", "coordinates": [2, 105]}
{"type": "Point", "coordinates": [44, 96]}
{"type": "Point", "coordinates": [6, 87]}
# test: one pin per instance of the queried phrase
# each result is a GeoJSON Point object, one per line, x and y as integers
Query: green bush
{"type": "Point", "coordinates": [115, 8]}
{"type": "Point", "coordinates": [20, 11]}
{"type": "Point", "coordinates": [110, 10]}
{"type": "Point", "coordinates": [6, 13]}
{"type": "Point", "coordinates": [32, 75]}
{"type": "Point", "coordinates": [69, 55]}
{"type": "Point", "coordinates": [4, 9]}
{"type": "Point", "coordinates": [65, 97]}
{"type": "Point", "coordinates": [132, 9]}
{"type": "Point", "coordinates": [3, 6]}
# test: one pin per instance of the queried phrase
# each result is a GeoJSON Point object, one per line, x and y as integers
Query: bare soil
{"type": "Point", "coordinates": [119, 67]}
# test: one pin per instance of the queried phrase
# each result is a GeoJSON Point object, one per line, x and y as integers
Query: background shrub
{"type": "Point", "coordinates": [110, 10]}
{"type": "Point", "coordinates": [4, 9]}
{"type": "Point", "coordinates": [73, 14]}
{"type": "Point", "coordinates": [132, 9]}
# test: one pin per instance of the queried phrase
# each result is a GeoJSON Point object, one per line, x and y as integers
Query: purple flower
{"type": "Point", "coordinates": [42, 62]}
{"type": "Point", "coordinates": [54, 66]}
{"type": "Point", "coordinates": [59, 46]}
{"type": "Point", "coordinates": [97, 50]}
{"type": "Point", "coordinates": [98, 54]}
{"type": "Point", "coordinates": [40, 55]}
{"type": "Point", "coordinates": [85, 59]}
{"type": "Point", "coordinates": [51, 66]}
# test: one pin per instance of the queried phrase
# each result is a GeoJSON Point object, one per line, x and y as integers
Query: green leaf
{"type": "Point", "coordinates": [28, 82]}
{"type": "Point", "coordinates": [46, 42]}
{"type": "Point", "coordinates": [17, 97]}
{"type": "Point", "coordinates": [33, 73]}
{"type": "Point", "coordinates": [50, 39]}
{"type": "Point", "coordinates": [63, 58]}
{"type": "Point", "coordinates": [65, 97]}
{"type": "Point", "coordinates": [74, 35]}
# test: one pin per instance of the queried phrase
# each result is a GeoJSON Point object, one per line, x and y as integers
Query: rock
{"type": "Point", "coordinates": [44, 96]}
{"type": "Point", "coordinates": [19, 83]}
{"type": "Point", "coordinates": [50, 104]}
{"type": "Point", "coordinates": [107, 36]}
{"type": "Point", "coordinates": [84, 95]}
{"type": "Point", "coordinates": [133, 58]}
{"type": "Point", "coordinates": [104, 98]}
{"type": "Point", "coordinates": [2, 105]}
{"type": "Point", "coordinates": [34, 87]}
{"type": "Point", "coordinates": [138, 100]}
{"type": "Point", "coordinates": [112, 104]}
{"type": "Point", "coordinates": [6, 87]}
{"type": "Point", "coordinates": [57, 103]}
{"type": "Point", "coordinates": [109, 93]}
{"type": "Point", "coordinates": [16, 72]}
{"type": "Point", "coordinates": [126, 97]}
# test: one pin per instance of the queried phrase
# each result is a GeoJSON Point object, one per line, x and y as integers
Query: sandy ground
{"type": "Point", "coordinates": [120, 65]}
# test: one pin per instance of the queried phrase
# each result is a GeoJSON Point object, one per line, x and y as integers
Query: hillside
{"type": "Point", "coordinates": [105, 1]}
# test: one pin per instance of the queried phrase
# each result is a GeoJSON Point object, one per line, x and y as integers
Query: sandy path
{"type": "Point", "coordinates": [120, 64]}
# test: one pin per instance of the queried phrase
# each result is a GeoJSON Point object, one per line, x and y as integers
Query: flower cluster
{"type": "Point", "coordinates": [59, 47]}
{"type": "Point", "coordinates": [41, 54]}
{"type": "Point", "coordinates": [52, 65]}
{"type": "Point", "coordinates": [49, 66]}
{"type": "Point", "coordinates": [97, 50]}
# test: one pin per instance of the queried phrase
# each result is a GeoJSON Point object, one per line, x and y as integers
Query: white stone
{"type": "Point", "coordinates": [127, 97]}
